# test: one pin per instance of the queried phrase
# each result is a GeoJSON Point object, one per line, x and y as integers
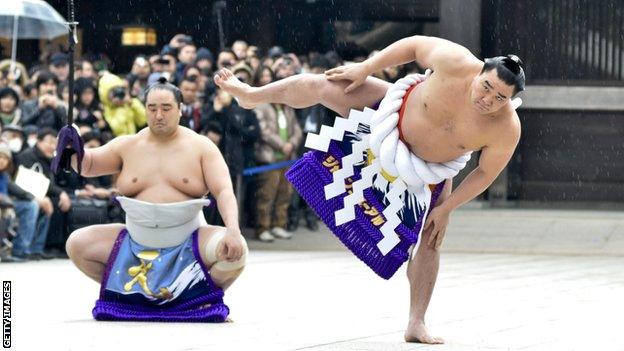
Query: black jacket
{"type": "Point", "coordinates": [33, 158]}
{"type": "Point", "coordinates": [47, 117]}
{"type": "Point", "coordinates": [239, 132]}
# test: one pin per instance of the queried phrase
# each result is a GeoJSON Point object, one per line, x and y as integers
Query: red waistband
{"type": "Point", "coordinates": [402, 110]}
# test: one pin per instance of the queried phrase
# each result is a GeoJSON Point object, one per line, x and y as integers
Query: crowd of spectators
{"type": "Point", "coordinates": [33, 107]}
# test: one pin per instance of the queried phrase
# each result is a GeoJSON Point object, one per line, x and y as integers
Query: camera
{"type": "Point", "coordinates": [119, 93]}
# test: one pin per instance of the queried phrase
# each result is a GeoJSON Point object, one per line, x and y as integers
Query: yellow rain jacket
{"type": "Point", "coordinates": [126, 119]}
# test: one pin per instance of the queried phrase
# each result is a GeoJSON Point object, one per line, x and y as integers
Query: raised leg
{"type": "Point", "coordinates": [304, 90]}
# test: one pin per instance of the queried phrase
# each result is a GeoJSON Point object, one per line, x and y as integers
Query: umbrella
{"type": "Point", "coordinates": [29, 19]}
{"type": "Point", "coordinates": [32, 19]}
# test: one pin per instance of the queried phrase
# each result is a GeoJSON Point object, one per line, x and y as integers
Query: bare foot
{"type": "Point", "coordinates": [418, 332]}
{"type": "Point", "coordinates": [227, 81]}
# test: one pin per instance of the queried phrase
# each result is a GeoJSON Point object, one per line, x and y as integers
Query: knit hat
{"type": "Point", "coordinates": [204, 54]}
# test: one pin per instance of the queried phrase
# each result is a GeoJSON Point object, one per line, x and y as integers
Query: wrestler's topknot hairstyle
{"type": "Point", "coordinates": [509, 69]}
{"type": "Point", "coordinates": [163, 84]}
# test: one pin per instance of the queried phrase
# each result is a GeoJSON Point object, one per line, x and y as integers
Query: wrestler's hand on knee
{"type": "Point", "coordinates": [438, 218]}
{"type": "Point", "coordinates": [231, 246]}
{"type": "Point", "coordinates": [355, 72]}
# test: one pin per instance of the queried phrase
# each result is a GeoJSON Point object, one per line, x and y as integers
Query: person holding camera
{"type": "Point", "coordinates": [47, 110]}
{"type": "Point", "coordinates": [124, 114]}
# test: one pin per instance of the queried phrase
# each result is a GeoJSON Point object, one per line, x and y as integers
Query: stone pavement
{"type": "Point", "coordinates": [491, 294]}
{"type": "Point", "coordinates": [478, 229]}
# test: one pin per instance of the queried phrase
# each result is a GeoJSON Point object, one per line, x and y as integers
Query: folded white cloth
{"type": "Point", "coordinates": [161, 225]}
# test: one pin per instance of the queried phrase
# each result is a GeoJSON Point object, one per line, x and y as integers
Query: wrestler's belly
{"type": "Point", "coordinates": [431, 147]}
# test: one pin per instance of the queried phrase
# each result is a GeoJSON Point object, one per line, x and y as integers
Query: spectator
{"type": "Point", "coordinates": [170, 68]}
{"type": "Point", "coordinates": [239, 48]}
{"type": "Point", "coordinates": [157, 63]}
{"type": "Point", "coordinates": [280, 136]}
{"type": "Point", "coordinates": [89, 111]}
{"type": "Point", "coordinates": [284, 67]}
{"type": "Point", "coordinates": [38, 158]}
{"type": "Point", "coordinates": [205, 61]}
{"type": "Point", "coordinates": [6, 204]}
{"type": "Point", "coordinates": [263, 76]}
{"type": "Point", "coordinates": [15, 79]}
{"type": "Point", "coordinates": [226, 59]}
{"type": "Point", "coordinates": [13, 136]}
{"type": "Point", "coordinates": [59, 66]}
{"type": "Point", "coordinates": [192, 72]}
{"type": "Point", "coordinates": [187, 54]}
{"type": "Point", "coordinates": [235, 130]}
{"type": "Point", "coordinates": [10, 113]}
{"type": "Point", "coordinates": [240, 130]}
{"type": "Point", "coordinates": [63, 95]}
{"type": "Point", "coordinates": [243, 72]}
{"type": "Point", "coordinates": [137, 78]}
{"type": "Point", "coordinates": [30, 92]}
{"type": "Point", "coordinates": [191, 106]}
{"type": "Point", "coordinates": [124, 115]}
{"type": "Point", "coordinates": [47, 110]}
{"type": "Point", "coordinates": [30, 133]}
{"type": "Point", "coordinates": [88, 71]}
{"type": "Point", "coordinates": [176, 43]}
{"type": "Point", "coordinates": [275, 52]}
{"type": "Point", "coordinates": [33, 215]}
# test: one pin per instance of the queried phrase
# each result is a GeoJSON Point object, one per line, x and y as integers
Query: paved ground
{"type": "Point", "coordinates": [288, 299]}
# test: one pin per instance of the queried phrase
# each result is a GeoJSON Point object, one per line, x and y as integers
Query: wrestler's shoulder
{"type": "Point", "coordinates": [508, 123]}
{"type": "Point", "coordinates": [457, 60]}
{"type": "Point", "coordinates": [197, 139]}
{"type": "Point", "coordinates": [463, 66]}
{"type": "Point", "coordinates": [123, 141]}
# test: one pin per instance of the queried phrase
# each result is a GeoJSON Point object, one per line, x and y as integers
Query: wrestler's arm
{"type": "Point", "coordinates": [494, 158]}
{"type": "Point", "coordinates": [438, 54]}
{"type": "Point", "coordinates": [429, 52]}
{"type": "Point", "coordinates": [103, 160]}
{"type": "Point", "coordinates": [220, 186]}
{"type": "Point", "coordinates": [217, 177]}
